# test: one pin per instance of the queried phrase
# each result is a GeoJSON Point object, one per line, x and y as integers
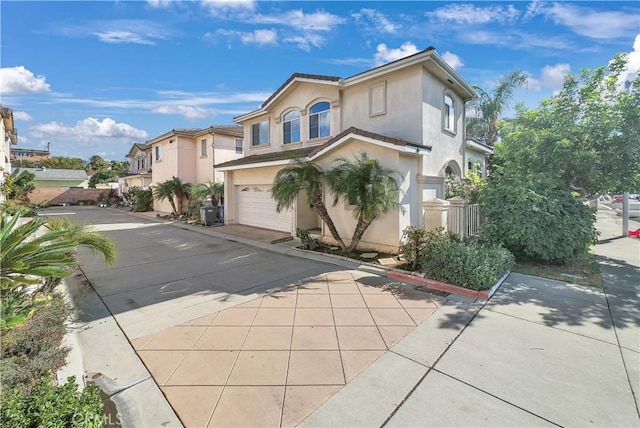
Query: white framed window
{"type": "Point", "coordinates": [158, 150]}
{"type": "Point", "coordinates": [319, 120]}
{"type": "Point", "coordinates": [449, 113]}
{"type": "Point", "coordinates": [140, 164]}
{"type": "Point", "coordinates": [291, 127]}
{"type": "Point", "coordinates": [260, 133]}
{"type": "Point", "coordinates": [203, 147]}
{"type": "Point", "coordinates": [239, 144]}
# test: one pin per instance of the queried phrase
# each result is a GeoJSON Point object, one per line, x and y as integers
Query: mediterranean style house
{"type": "Point", "coordinates": [477, 154]}
{"type": "Point", "coordinates": [409, 114]}
{"type": "Point", "coordinates": [189, 154]}
{"type": "Point", "coordinates": [9, 137]}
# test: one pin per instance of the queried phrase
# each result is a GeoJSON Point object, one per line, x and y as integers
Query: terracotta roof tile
{"type": "Point", "coordinates": [268, 157]}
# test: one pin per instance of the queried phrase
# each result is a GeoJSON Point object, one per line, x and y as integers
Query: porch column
{"type": "Point", "coordinates": [458, 220]}
{"type": "Point", "coordinates": [435, 213]}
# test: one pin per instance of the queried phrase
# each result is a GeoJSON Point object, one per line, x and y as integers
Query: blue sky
{"type": "Point", "coordinates": [94, 77]}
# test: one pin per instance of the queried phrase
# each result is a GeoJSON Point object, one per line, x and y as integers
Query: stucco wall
{"type": "Point", "coordinates": [60, 195]}
{"type": "Point", "coordinates": [225, 150]}
{"type": "Point", "coordinates": [402, 118]}
{"type": "Point", "coordinates": [60, 183]}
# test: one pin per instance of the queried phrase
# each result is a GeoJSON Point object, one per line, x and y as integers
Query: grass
{"type": "Point", "coordinates": [584, 271]}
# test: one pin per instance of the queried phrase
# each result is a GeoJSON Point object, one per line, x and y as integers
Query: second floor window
{"type": "Point", "coordinates": [239, 143]}
{"type": "Point", "coordinates": [203, 147]}
{"type": "Point", "coordinates": [158, 153]}
{"type": "Point", "coordinates": [260, 133]}
{"type": "Point", "coordinates": [141, 163]}
{"type": "Point", "coordinates": [319, 122]}
{"type": "Point", "coordinates": [291, 127]}
{"type": "Point", "coordinates": [449, 114]}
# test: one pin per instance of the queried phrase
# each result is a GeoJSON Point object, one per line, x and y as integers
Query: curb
{"type": "Point", "coordinates": [448, 288]}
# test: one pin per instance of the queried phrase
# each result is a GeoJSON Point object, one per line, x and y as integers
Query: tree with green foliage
{"type": "Point", "coordinates": [107, 176]}
{"type": "Point", "coordinates": [483, 113]}
{"type": "Point", "coordinates": [120, 167]}
{"type": "Point", "coordinates": [61, 162]}
{"type": "Point", "coordinates": [304, 176]}
{"type": "Point", "coordinates": [175, 191]}
{"type": "Point", "coordinates": [367, 185]}
{"type": "Point", "coordinates": [586, 137]}
{"type": "Point", "coordinates": [97, 163]}
{"type": "Point", "coordinates": [18, 185]}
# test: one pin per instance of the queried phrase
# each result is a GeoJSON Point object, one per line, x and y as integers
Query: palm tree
{"type": "Point", "coordinates": [484, 112]}
{"type": "Point", "coordinates": [164, 191]}
{"type": "Point", "coordinates": [303, 176]}
{"type": "Point", "coordinates": [181, 192]}
{"type": "Point", "coordinates": [367, 185]}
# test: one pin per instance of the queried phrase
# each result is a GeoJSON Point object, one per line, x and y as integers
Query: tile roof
{"type": "Point", "coordinates": [57, 174]}
{"type": "Point", "coordinates": [312, 151]}
{"type": "Point", "coordinates": [233, 130]}
{"type": "Point", "coordinates": [303, 76]}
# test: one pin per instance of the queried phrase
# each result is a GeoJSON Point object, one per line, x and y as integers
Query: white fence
{"type": "Point", "coordinates": [464, 219]}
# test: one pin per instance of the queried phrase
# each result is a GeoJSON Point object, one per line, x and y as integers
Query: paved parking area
{"type": "Point", "coordinates": [272, 360]}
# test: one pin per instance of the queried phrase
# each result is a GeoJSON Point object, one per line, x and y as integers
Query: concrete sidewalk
{"type": "Point", "coordinates": [539, 353]}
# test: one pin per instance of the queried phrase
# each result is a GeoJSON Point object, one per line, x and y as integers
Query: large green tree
{"type": "Point", "coordinates": [304, 176]}
{"type": "Point", "coordinates": [483, 113]}
{"type": "Point", "coordinates": [97, 163]}
{"type": "Point", "coordinates": [587, 136]}
{"type": "Point", "coordinates": [106, 176]}
{"type": "Point", "coordinates": [367, 185]}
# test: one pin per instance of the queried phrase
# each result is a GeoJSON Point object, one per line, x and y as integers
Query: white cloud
{"type": "Point", "coordinates": [259, 37]}
{"type": "Point", "coordinates": [22, 115]}
{"type": "Point", "coordinates": [316, 21]}
{"type": "Point", "coordinates": [551, 77]}
{"type": "Point", "coordinates": [453, 60]}
{"type": "Point", "coordinates": [375, 21]}
{"type": "Point", "coordinates": [228, 8]}
{"type": "Point", "coordinates": [470, 14]}
{"type": "Point", "coordinates": [591, 23]}
{"type": "Point", "coordinates": [136, 31]}
{"type": "Point", "coordinates": [89, 130]}
{"type": "Point", "coordinates": [160, 4]}
{"type": "Point", "coordinates": [306, 41]}
{"type": "Point", "coordinates": [516, 40]}
{"type": "Point", "coordinates": [384, 54]}
{"type": "Point", "coordinates": [19, 80]}
{"type": "Point", "coordinates": [633, 62]}
{"type": "Point", "coordinates": [188, 112]}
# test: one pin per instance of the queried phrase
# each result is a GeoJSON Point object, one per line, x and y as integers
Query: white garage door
{"type": "Point", "coordinates": [255, 207]}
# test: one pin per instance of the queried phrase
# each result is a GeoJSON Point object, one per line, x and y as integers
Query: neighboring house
{"type": "Point", "coordinates": [189, 154]}
{"type": "Point", "coordinates": [139, 168]}
{"type": "Point", "coordinates": [409, 114]}
{"type": "Point", "coordinates": [53, 183]}
{"type": "Point", "coordinates": [9, 137]}
{"type": "Point", "coordinates": [18, 154]}
{"type": "Point", "coordinates": [477, 154]}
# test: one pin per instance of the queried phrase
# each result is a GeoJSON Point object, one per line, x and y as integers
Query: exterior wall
{"type": "Point", "coordinates": [184, 149]}
{"type": "Point", "coordinates": [61, 195]}
{"type": "Point", "coordinates": [61, 183]}
{"type": "Point", "coordinates": [32, 155]}
{"type": "Point", "coordinates": [446, 147]}
{"type": "Point", "coordinates": [402, 118]}
{"type": "Point", "coordinates": [224, 150]}
{"type": "Point", "coordinates": [301, 98]}
{"type": "Point", "coordinates": [241, 178]}
{"type": "Point", "coordinates": [475, 156]}
{"type": "Point", "coordinates": [133, 164]}
{"type": "Point", "coordinates": [306, 217]}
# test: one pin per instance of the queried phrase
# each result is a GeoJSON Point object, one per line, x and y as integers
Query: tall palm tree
{"type": "Point", "coordinates": [164, 191]}
{"type": "Point", "coordinates": [367, 185]}
{"type": "Point", "coordinates": [180, 191]}
{"type": "Point", "coordinates": [484, 112]}
{"type": "Point", "coordinates": [303, 176]}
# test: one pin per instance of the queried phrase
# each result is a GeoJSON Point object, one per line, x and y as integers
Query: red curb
{"type": "Point", "coordinates": [437, 285]}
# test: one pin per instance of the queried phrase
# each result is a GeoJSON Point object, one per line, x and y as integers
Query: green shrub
{"type": "Point", "coordinates": [414, 247]}
{"type": "Point", "coordinates": [25, 209]}
{"type": "Point", "coordinates": [143, 200]}
{"type": "Point", "coordinates": [465, 263]}
{"type": "Point", "coordinates": [53, 406]}
{"type": "Point", "coordinates": [536, 219]}
{"type": "Point", "coordinates": [307, 241]}
{"type": "Point", "coordinates": [33, 349]}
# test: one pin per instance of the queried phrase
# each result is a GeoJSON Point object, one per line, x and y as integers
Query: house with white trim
{"type": "Point", "coordinates": [9, 136]}
{"type": "Point", "coordinates": [409, 114]}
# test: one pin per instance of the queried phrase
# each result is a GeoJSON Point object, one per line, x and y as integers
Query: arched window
{"type": "Point", "coordinates": [449, 114]}
{"type": "Point", "coordinates": [319, 122]}
{"type": "Point", "coordinates": [291, 127]}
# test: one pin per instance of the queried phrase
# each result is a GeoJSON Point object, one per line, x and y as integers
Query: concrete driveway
{"type": "Point", "coordinates": [165, 275]}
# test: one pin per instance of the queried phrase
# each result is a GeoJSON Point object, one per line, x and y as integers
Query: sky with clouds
{"type": "Point", "coordinates": [95, 77]}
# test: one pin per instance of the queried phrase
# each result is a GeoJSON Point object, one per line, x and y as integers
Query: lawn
{"type": "Point", "coordinates": [585, 271]}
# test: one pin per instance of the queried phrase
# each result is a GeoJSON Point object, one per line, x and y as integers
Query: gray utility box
{"type": "Point", "coordinates": [208, 215]}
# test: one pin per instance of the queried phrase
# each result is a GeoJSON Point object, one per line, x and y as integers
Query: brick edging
{"type": "Point", "coordinates": [447, 288]}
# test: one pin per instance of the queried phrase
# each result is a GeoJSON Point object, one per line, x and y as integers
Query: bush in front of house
{"type": "Point", "coordinates": [536, 219]}
{"type": "Point", "coordinates": [48, 405]}
{"type": "Point", "coordinates": [143, 201]}
{"type": "Point", "coordinates": [25, 209]}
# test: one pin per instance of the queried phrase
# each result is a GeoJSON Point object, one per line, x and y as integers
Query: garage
{"type": "Point", "coordinates": [255, 207]}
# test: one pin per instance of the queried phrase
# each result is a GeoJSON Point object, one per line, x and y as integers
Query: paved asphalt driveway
{"type": "Point", "coordinates": [165, 275]}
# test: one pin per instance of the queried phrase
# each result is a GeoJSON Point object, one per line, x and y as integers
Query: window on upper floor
{"type": "Point", "coordinates": [291, 127]}
{"type": "Point", "coordinates": [140, 163]}
{"type": "Point", "coordinates": [449, 114]}
{"type": "Point", "coordinates": [158, 150]}
{"type": "Point", "coordinates": [239, 144]}
{"type": "Point", "coordinates": [203, 147]}
{"type": "Point", "coordinates": [260, 133]}
{"type": "Point", "coordinates": [319, 121]}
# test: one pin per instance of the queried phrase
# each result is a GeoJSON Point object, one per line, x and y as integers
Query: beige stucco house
{"type": "Point", "coordinates": [477, 154]}
{"type": "Point", "coordinates": [9, 135]}
{"type": "Point", "coordinates": [409, 114]}
{"type": "Point", "coordinates": [139, 168]}
{"type": "Point", "coordinates": [189, 154]}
